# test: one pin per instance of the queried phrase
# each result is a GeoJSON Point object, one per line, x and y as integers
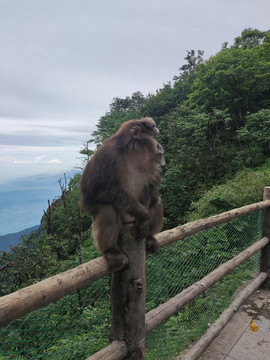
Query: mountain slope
{"type": "Point", "coordinates": [13, 239]}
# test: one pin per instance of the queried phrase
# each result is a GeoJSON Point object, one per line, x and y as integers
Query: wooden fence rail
{"type": "Point", "coordinates": [180, 232]}
{"type": "Point", "coordinates": [54, 288]}
{"type": "Point", "coordinates": [129, 343]}
{"type": "Point", "coordinates": [201, 345]}
{"type": "Point", "coordinates": [163, 312]}
{"type": "Point", "coordinates": [50, 290]}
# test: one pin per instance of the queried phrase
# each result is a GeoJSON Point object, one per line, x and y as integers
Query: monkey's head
{"type": "Point", "coordinates": [141, 128]}
{"type": "Point", "coordinates": [136, 132]}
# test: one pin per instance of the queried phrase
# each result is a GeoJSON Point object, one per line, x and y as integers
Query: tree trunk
{"type": "Point", "coordinates": [128, 296]}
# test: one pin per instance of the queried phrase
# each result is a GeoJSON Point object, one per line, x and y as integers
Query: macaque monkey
{"type": "Point", "coordinates": [119, 186]}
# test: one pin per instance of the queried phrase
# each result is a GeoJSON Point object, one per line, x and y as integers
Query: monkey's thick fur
{"type": "Point", "coordinates": [119, 185]}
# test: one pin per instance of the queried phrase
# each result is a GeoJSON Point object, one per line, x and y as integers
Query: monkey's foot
{"type": "Point", "coordinates": [116, 259]}
{"type": "Point", "coordinates": [142, 230]}
{"type": "Point", "coordinates": [152, 245]}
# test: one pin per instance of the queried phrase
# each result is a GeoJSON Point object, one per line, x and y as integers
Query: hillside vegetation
{"type": "Point", "coordinates": [214, 121]}
{"type": "Point", "coordinates": [14, 238]}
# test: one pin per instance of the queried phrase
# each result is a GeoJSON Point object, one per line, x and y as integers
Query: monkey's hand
{"type": "Point", "coordinates": [152, 245]}
{"type": "Point", "coordinates": [140, 213]}
{"type": "Point", "coordinates": [127, 219]}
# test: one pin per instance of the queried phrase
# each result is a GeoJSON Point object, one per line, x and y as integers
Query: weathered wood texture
{"type": "Point", "coordinates": [201, 345]}
{"type": "Point", "coordinates": [128, 296]}
{"type": "Point", "coordinates": [54, 288]}
{"type": "Point", "coordinates": [163, 312]}
{"type": "Point", "coordinates": [265, 256]}
{"type": "Point", "coordinates": [117, 350]}
{"type": "Point", "coordinates": [180, 232]}
{"type": "Point", "coordinates": [49, 290]}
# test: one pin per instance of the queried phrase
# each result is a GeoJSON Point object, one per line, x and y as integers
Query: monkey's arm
{"type": "Point", "coordinates": [149, 196]}
{"type": "Point", "coordinates": [123, 202]}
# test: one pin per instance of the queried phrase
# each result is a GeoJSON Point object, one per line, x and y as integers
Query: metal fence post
{"type": "Point", "coordinates": [128, 296]}
{"type": "Point", "coordinates": [265, 254]}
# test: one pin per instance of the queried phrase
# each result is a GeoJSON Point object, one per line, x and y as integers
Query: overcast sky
{"type": "Point", "coordinates": [63, 61]}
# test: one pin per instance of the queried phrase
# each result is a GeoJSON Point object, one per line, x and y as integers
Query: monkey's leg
{"type": "Point", "coordinates": [106, 228]}
{"type": "Point", "coordinates": [156, 223]}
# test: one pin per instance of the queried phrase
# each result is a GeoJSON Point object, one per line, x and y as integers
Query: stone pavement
{"type": "Point", "coordinates": [237, 341]}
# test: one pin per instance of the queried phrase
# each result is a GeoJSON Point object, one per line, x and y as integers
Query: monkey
{"type": "Point", "coordinates": [149, 197]}
{"type": "Point", "coordinates": [119, 186]}
{"type": "Point", "coordinates": [151, 200]}
{"type": "Point", "coordinates": [160, 155]}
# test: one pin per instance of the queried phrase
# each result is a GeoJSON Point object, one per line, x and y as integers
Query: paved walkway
{"type": "Point", "coordinates": [237, 341]}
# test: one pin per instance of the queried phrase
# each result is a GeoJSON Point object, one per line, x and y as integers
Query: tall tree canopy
{"type": "Point", "coordinates": [213, 118]}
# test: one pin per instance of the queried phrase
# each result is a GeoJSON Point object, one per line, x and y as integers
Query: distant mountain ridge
{"type": "Point", "coordinates": [13, 239]}
{"type": "Point", "coordinates": [23, 200]}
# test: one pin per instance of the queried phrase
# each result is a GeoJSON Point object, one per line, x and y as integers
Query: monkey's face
{"type": "Point", "coordinates": [160, 155]}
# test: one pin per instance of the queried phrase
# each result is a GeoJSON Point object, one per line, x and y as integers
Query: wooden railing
{"type": "Point", "coordinates": [129, 327]}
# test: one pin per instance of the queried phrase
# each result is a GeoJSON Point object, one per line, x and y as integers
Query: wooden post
{"type": "Point", "coordinates": [128, 296]}
{"type": "Point", "coordinates": [265, 255]}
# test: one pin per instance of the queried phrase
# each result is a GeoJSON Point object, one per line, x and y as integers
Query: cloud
{"type": "Point", "coordinates": [37, 160]}
{"type": "Point", "coordinates": [43, 132]}
{"type": "Point", "coordinates": [7, 158]}
{"type": "Point", "coordinates": [54, 161]}
{"type": "Point", "coordinates": [57, 82]}
{"type": "Point", "coordinates": [40, 158]}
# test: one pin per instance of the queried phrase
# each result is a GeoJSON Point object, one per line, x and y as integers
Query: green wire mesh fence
{"type": "Point", "coordinates": [78, 325]}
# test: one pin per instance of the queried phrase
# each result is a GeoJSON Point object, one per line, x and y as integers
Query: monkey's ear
{"type": "Point", "coordinates": [136, 132]}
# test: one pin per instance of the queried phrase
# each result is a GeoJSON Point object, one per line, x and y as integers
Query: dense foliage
{"type": "Point", "coordinates": [214, 119]}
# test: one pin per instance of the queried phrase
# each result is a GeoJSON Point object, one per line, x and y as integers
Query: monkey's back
{"type": "Point", "coordinates": [102, 173]}
{"type": "Point", "coordinates": [119, 164]}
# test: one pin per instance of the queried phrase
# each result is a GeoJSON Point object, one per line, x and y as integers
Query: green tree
{"type": "Point", "coordinates": [246, 187]}
{"type": "Point", "coordinates": [250, 38]}
{"type": "Point", "coordinates": [120, 111]}
{"type": "Point", "coordinates": [236, 79]}
{"type": "Point", "coordinates": [255, 138]}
